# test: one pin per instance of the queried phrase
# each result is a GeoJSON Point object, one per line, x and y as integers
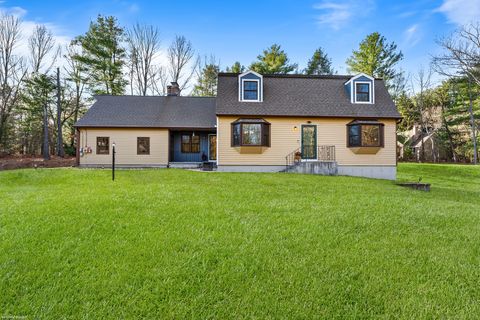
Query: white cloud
{"type": "Point", "coordinates": [133, 8]}
{"type": "Point", "coordinates": [412, 35]}
{"type": "Point", "coordinates": [460, 11]}
{"type": "Point", "coordinates": [337, 15]}
{"type": "Point", "coordinates": [27, 28]}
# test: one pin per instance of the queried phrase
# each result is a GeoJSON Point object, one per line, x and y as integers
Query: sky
{"type": "Point", "coordinates": [240, 30]}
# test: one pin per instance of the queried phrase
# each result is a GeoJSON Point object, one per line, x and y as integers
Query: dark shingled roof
{"type": "Point", "coordinates": [151, 112]}
{"type": "Point", "coordinates": [300, 95]}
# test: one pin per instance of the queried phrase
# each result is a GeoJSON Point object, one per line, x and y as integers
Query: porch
{"type": "Point", "coordinates": [191, 148]}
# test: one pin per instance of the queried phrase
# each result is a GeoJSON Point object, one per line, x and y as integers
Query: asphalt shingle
{"type": "Point", "coordinates": [300, 95]}
{"type": "Point", "coordinates": [150, 112]}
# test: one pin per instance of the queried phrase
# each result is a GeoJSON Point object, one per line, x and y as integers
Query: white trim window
{"type": "Point", "coordinates": [367, 89]}
{"type": "Point", "coordinates": [250, 87]}
{"type": "Point", "coordinates": [363, 92]}
{"type": "Point", "coordinates": [251, 90]}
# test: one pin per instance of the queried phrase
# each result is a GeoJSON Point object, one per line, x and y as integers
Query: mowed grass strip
{"type": "Point", "coordinates": [181, 244]}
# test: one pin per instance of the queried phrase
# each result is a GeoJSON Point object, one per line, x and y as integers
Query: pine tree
{"type": "Point", "coordinates": [273, 61]}
{"type": "Point", "coordinates": [38, 95]}
{"type": "Point", "coordinates": [103, 56]}
{"type": "Point", "coordinates": [458, 117]}
{"type": "Point", "coordinates": [319, 64]}
{"type": "Point", "coordinates": [207, 81]}
{"type": "Point", "coordinates": [376, 58]}
{"type": "Point", "coordinates": [236, 68]}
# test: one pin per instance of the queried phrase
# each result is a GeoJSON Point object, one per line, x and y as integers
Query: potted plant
{"type": "Point", "coordinates": [298, 156]}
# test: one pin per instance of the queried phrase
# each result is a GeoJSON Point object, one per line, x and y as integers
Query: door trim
{"type": "Point", "coordinates": [216, 142]}
{"type": "Point", "coordinates": [316, 140]}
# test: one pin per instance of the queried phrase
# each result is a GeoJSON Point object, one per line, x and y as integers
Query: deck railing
{"type": "Point", "coordinates": [323, 153]}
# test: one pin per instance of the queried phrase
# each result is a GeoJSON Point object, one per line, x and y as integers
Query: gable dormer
{"type": "Point", "coordinates": [250, 87]}
{"type": "Point", "coordinates": [361, 89]}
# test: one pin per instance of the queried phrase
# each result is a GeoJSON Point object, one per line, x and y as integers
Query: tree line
{"type": "Point", "coordinates": [446, 113]}
{"type": "Point", "coordinates": [39, 102]}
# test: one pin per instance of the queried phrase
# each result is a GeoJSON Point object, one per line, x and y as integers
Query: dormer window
{"type": "Point", "coordinates": [361, 89]}
{"type": "Point", "coordinates": [362, 92]}
{"type": "Point", "coordinates": [250, 87]}
{"type": "Point", "coordinates": [250, 90]}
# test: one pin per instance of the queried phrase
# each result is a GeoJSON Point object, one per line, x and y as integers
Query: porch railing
{"type": "Point", "coordinates": [323, 153]}
{"type": "Point", "coordinates": [326, 153]}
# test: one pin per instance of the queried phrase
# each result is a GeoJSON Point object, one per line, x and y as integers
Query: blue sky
{"type": "Point", "coordinates": [239, 30]}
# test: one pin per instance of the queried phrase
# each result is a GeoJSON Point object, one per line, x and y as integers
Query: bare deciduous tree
{"type": "Point", "coordinates": [461, 55]}
{"type": "Point", "coordinates": [160, 81]}
{"type": "Point", "coordinates": [423, 81]}
{"type": "Point", "coordinates": [40, 44]}
{"type": "Point", "coordinates": [461, 58]}
{"type": "Point", "coordinates": [12, 71]}
{"type": "Point", "coordinates": [144, 45]}
{"type": "Point", "coordinates": [180, 55]}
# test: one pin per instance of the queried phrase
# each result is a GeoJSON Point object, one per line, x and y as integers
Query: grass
{"type": "Point", "coordinates": [163, 244]}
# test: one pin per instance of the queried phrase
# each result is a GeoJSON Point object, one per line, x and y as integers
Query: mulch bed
{"type": "Point", "coordinates": [19, 162]}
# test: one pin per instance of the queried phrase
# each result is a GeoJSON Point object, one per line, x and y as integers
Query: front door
{"type": "Point", "coordinates": [212, 147]}
{"type": "Point", "coordinates": [309, 142]}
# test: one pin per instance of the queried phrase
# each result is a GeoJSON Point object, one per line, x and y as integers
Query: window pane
{"type": "Point", "coordinates": [186, 146]}
{"type": "Point", "coordinates": [250, 85]}
{"type": "Point", "coordinates": [354, 136]}
{"type": "Point", "coordinates": [143, 145]}
{"type": "Point", "coordinates": [250, 90]}
{"type": "Point", "coordinates": [236, 134]}
{"type": "Point", "coordinates": [363, 92]}
{"type": "Point", "coordinates": [250, 95]}
{"type": "Point", "coordinates": [103, 145]}
{"type": "Point", "coordinates": [363, 87]}
{"type": "Point", "coordinates": [185, 138]}
{"type": "Point", "coordinates": [195, 144]}
{"type": "Point", "coordinates": [252, 134]}
{"type": "Point", "coordinates": [363, 97]}
{"type": "Point", "coordinates": [370, 135]}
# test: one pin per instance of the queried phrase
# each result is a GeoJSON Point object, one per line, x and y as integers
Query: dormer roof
{"type": "Point", "coordinates": [360, 75]}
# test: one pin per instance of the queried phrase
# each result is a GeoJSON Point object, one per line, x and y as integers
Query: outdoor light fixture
{"type": "Point", "coordinates": [113, 161]}
{"type": "Point", "coordinates": [295, 128]}
{"type": "Point", "coordinates": [193, 134]}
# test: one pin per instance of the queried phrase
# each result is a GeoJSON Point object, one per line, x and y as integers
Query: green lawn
{"type": "Point", "coordinates": [163, 244]}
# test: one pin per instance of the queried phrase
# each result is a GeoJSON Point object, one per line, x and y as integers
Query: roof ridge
{"type": "Point", "coordinates": [299, 75]}
{"type": "Point", "coordinates": [140, 96]}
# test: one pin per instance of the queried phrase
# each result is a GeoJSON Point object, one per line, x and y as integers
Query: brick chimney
{"type": "Point", "coordinates": [173, 89]}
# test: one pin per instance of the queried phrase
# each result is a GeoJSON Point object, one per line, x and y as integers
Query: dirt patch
{"type": "Point", "coordinates": [19, 162]}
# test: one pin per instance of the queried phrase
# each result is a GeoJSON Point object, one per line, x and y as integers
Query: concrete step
{"type": "Point", "coordinates": [185, 165]}
{"type": "Point", "coordinates": [327, 168]}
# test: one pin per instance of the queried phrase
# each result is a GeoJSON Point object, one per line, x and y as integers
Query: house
{"type": "Point", "coordinates": [422, 142]}
{"type": "Point", "coordinates": [263, 123]}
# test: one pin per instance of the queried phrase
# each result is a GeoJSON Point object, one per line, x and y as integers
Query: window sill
{"type": "Point", "coordinates": [251, 149]}
{"type": "Point", "coordinates": [365, 150]}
